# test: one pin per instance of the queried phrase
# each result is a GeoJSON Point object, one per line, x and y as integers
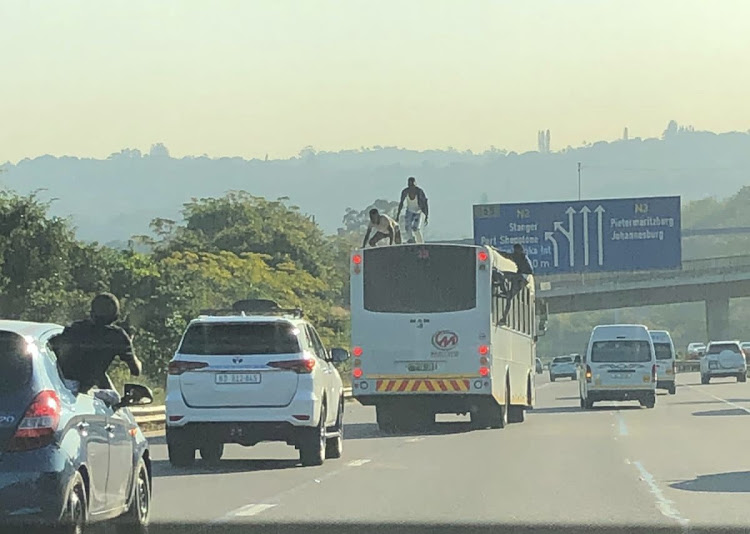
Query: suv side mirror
{"type": "Point", "coordinates": [136, 395]}
{"type": "Point", "coordinates": [339, 355]}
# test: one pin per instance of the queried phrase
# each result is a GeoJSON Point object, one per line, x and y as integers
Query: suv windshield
{"type": "Point", "coordinates": [15, 362]}
{"type": "Point", "coordinates": [721, 347]}
{"type": "Point", "coordinates": [227, 339]}
{"type": "Point", "coordinates": [663, 351]}
{"type": "Point", "coordinates": [621, 351]}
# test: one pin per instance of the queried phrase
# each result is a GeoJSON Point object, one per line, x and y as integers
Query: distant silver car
{"type": "Point", "coordinates": [562, 366]}
{"type": "Point", "coordinates": [723, 359]}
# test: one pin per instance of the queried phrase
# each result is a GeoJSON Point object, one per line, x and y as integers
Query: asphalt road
{"type": "Point", "coordinates": [683, 464]}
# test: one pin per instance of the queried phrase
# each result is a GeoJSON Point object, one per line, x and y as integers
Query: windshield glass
{"type": "Point", "coordinates": [663, 351]}
{"type": "Point", "coordinates": [717, 348]}
{"type": "Point", "coordinates": [15, 362]}
{"type": "Point", "coordinates": [420, 279]}
{"type": "Point", "coordinates": [621, 351]}
{"type": "Point", "coordinates": [247, 339]}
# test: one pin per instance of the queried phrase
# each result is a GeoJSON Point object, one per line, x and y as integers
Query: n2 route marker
{"type": "Point", "coordinates": [628, 234]}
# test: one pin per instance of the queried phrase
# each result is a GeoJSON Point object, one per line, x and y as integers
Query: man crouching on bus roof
{"type": "Point", "coordinates": [384, 227]}
{"type": "Point", "coordinates": [520, 278]}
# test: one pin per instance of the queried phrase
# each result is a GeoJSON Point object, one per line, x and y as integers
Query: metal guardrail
{"type": "Point", "coordinates": [156, 415]}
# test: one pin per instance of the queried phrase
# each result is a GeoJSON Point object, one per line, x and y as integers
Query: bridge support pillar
{"type": "Point", "coordinates": [717, 318]}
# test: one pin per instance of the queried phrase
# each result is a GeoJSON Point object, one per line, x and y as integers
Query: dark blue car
{"type": "Point", "coordinates": [66, 457]}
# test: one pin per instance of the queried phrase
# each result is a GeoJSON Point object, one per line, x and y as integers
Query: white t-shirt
{"type": "Point", "coordinates": [412, 204]}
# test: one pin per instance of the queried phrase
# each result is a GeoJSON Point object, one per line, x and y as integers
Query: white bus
{"type": "Point", "coordinates": [428, 338]}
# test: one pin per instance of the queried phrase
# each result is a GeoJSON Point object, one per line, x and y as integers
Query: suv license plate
{"type": "Point", "coordinates": [238, 378]}
{"type": "Point", "coordinates": [713, 365]}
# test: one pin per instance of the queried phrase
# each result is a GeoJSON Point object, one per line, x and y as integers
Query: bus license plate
{"type": "Point", "coordinates": [238, 378]}
{"type": "Point", "coordinates": [420, 367]}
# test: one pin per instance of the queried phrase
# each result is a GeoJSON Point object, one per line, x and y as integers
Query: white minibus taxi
{"type": "Point", "coordinates": [619, 365]}
{"type": "Point", "coordinates": [666, 363]}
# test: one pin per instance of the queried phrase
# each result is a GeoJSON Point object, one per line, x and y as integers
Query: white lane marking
{"type": "Point", "coordinates": [251, 510]}
{"type": "Point", "coordinates": [413, 440]}
{"type": "Point", "coordinates": [623, 426]}
{"type": "Point", "coordinates": [358, 463]}
{"type": "Point", "coordinates": [725, 401]}
{"type": "Point", "coordinates": [666, 507]}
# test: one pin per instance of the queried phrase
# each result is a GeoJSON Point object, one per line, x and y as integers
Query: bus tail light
{"type": "Point", "coordinates": [484, 371]}
{"type": "Point", "coordinates": [588, 374]}
{"type": "Point", "coordinates": [484, 350]}
{"type": "Point", "coordinates": [482, 256]}
{"type": "Point", "coordinates": [357, 372]}
{"type": "Point", "coordinates": [357, 352]}
{"type": "Point", "coordinates": [484, 360]}
{"type": "Point", "coordinates": [357, 259]}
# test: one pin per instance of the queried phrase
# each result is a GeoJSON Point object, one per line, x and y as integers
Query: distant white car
{"type": "Point", "coordinates": [695, 350]}
{"type": "Point", "coordinates": [243, 378]}
{"type": "Point", "coordinates": [723, 359]}
{"type": "Point", "coordinates": [562, 366]}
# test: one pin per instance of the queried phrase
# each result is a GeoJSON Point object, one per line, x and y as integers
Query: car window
{"type": "Point", "coordinates": [317, 343]}
{"type": "Point", "coordinates": [227, 339]}
{"type": "Point", "coordinates": [621, 351]}
{"type": "Point", "coordinates": [721, 347]}
{"type": "Point", "coordinates": [663, 351]}
{"type": "Point", "coordinates": [16, 367]}
{"type": "Point", "coordinates": [562, 360]}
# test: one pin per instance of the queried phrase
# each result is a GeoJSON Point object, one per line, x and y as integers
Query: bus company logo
{"type": "Point", "coordinates": [444, 340]}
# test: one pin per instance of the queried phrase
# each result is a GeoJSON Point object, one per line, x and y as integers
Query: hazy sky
{"type": "Point", "coordinates": [250, 77]}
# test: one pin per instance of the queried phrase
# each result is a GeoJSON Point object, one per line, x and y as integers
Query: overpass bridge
{"type": "Point", "coordinates": [711, 280]}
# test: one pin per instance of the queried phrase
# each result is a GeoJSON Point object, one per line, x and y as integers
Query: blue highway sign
{"type": "Point", "coordinates": [625, 234]}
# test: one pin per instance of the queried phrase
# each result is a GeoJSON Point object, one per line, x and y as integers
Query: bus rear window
{"type": "Point", "coordinates": [431, 279]}
{"type": "Point", "coordinates": [625, 351]}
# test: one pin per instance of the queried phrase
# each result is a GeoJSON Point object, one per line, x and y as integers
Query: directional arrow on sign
{"type": "Point", "coordinates": [599, 233]}
{"type": "Point", "coordinates": [549, 236]}
{"type": "Point", "coordinates": [585, 212]}
{"type": "Point", "coordinates": [568, 234]}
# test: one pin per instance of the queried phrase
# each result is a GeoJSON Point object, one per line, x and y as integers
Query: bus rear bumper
{"type": "Point", "coordinates": [452, 403]}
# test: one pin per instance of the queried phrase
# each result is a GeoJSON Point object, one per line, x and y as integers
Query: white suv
{"type": "Point", "coordinates": [254, 373]}
{"type": "Point", "coordinates": [723, 358]}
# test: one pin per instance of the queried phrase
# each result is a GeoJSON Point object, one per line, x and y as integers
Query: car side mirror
{"type": "Point", "coordinates": [339, 355]}
{"type": "Point", "coordinates": [577, 359]}
{"type": "Point", "coordinates": [136, 395]}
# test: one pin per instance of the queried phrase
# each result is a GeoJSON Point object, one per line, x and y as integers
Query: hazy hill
{"type": "Point", "coordinates": [115, 198]}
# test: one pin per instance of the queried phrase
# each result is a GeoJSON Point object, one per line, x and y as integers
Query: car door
{"type": "Point", "coordinates": [119, 430]}
{"type": "Point", "coordinates": [89, 418]}
{"type": "Point", "coordinates": [328, 373]}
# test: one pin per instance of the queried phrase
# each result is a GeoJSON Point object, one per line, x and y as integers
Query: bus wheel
{"type": "Point", "coordinates": [386, 419]}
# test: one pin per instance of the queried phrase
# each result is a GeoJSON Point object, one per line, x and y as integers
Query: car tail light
{"type": "Point", "coordinates": [482, 255]}
{"type": "Point", "coordinates": [357, 351]}
{"type": "Point", "coordinates": [484, 350]}
{"type": "Point", "coordinates": [588, 373]}
{"type": "Point", "coordinates": [177, 367]}
{"type": "Point", "coordinates": [302, 366]}
{"type": "Point", "coordinates": [484, 371]}
{"type": "Point", "coordinates": [39, 424]}
{"type": "Point", "coordinates": [357, 372]}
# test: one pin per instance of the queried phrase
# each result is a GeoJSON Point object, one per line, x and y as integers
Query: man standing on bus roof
{"type": "Point", "coordinates": [384, 227]}
{"type": "Point", "coordinates": [520, 278]}
{"type": "Point", "coordinates": [416, 205]}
